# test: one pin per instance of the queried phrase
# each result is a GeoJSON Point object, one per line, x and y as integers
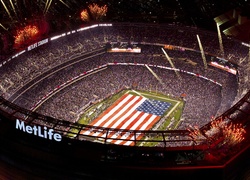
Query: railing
{"type": "Point", "coordinates": [168, 138]}
{"type": "Point", "coordinates": [148, 138]}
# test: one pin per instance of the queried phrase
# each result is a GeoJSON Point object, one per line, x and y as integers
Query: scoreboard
{"type": "Point", "coordinates": [122, 47]}
{"type": "Point", "coordinates": [224, 64]}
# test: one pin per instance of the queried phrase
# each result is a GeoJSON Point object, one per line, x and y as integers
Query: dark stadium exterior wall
{"type": "Point", "coordinates": [77, 159]}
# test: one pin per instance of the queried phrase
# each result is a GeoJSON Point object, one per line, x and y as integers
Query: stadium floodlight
{"type": "Point", "coordinates": [154, 74]}
{"type": "Point", "coordinates": [6, 9]}
{"type": "Point", "coordinates": [13, 7]}
{"type": "Point", "coordinates": [245, 44]}
{"type": "Point", "coordinates": [202, 52]}
{"type": "Point", "coordinates": [64, 3]}
{"type": "Point", "coordinates": [249, 54]}
{"type": "Point", "coordinates": [220, 40]}
{"type": "Point", "coordinates": [245, 58]}
{"type": "Point", "coordinates": [47, 6]}
{"type": "Point", "coordinates": [171, 63]}
{"type": "Point", "coordinates": [3, 27]}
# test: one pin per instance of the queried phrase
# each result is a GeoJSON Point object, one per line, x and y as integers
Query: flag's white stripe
{"type": "Point", "coordinates": [113, 110]}
{"type": "Point", "coordinates": [135, 127]}
{"type": "Point", "coordinates": [87, 132]}
{"type": "Point", "coordinates": [132, 105]}
{"type": "Point", "coordinates": [128, 122]}
{"type": "Point", "coordinates": [128, 114]}
{"type": "Point", "coordinates": [117, 114]}
{"type": "Point", "coordinates": [128, 143]}
{"type": "Point", "coordinates": [109, 113]}
{"type": "Point", "coordinates": [124, 139]}
{"type": "Point", "coordinates": [125, 126]}
{"type": "Point", "coordinates": [151, 119]}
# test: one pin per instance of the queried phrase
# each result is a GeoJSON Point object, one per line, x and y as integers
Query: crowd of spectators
{"type": "Point", "coordinates": [204, 99]}
{"type": "Point", "coordinates": [199, 92]}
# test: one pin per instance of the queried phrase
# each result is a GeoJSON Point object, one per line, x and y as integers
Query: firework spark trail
{"type": "Point", "coordinates": [6, 9]}
{"type": "Point", "coordinates": [47, 6]}
{"type": "Point", "coordinates": [13, 7]}
{"type": "Point", "coordinates": [64, 3]}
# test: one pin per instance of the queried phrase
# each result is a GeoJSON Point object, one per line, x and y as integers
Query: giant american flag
{"type": "Point", "coordinates": [130, 112]}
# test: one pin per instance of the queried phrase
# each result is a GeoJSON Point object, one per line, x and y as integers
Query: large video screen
{"type": "Point", "coordinates": [126, 47]}
{"type": "Point", "coordinates": [224, 65]}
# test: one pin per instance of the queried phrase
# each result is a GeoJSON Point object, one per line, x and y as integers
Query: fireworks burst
{"type": "Point", "coordinates": [233, 133]}
{"type": "Point", "coordinates": [220, 129]}
{"type": "Point", "coordinates": [20, 11]}
{"type": "Point", "coordinates": [26, 34]}
{"type": "Point", "coordinates": [85, 15]}
{"type": "Point", "coordinates": [97, 12]}
{"type": "Point", "coordinates": [196, 134]}
{"type": "Point", "coordinates": [218, 123]}
{"type": "Point", "coordinates": [94, 11]}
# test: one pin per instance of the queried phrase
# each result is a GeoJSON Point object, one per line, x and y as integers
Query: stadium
{"type": "Point", "coordinates": [127, 100]}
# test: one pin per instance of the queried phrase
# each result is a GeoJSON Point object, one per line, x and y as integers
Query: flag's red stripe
{"type": "Point", "coordinates": [129, 116]}
{"type": "Point", "coordinates": [125, 112]}
{"type": "Point", "coordinates": [117, 111]}
{"type": "Point", "coordinates": [147, 128]}
{"type": "Point", "coordinates": [152, 123]}
{"type": "Point", "coordinates": [126, 140]}
{"type": "Point", "coordinates": [130, 124]}
{"type": "Point", "coordinates": [106, 111]}
{"type": "Point", "coordinates": [137, 128]}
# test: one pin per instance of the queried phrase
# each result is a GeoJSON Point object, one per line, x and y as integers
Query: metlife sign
{"type": "Point", "coordinates": [39, 131]}
{"type": "Point", "coordinates": [37, 44]}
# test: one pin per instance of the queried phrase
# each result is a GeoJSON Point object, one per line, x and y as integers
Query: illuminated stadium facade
{"type": "Point", "coordinates": [59, 77]}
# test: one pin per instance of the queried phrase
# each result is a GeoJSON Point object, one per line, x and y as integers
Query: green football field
{"type": "Point", "coordinates": [169, 120]}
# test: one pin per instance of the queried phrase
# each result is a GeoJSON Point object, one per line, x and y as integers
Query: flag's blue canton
{"type": "Point", "coordinates": [153, 107]}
